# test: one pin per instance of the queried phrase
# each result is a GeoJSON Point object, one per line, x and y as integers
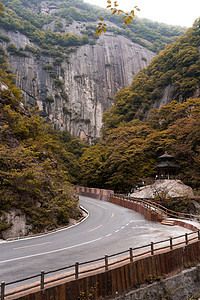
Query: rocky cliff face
{"type": "Point", "coordinates": [18, 224]}
{"type": "Point", "coordinates": [87, 81]}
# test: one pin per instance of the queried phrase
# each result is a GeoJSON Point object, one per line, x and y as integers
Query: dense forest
{"type": "Point", "coordinates": [127, 154]}
{"type": "Point", "coordinates": [27, 18]}
{"type": "Point", "coordinates": [131, 142]}
{"type": "Point", "coordinates": [177, 67]}
{"type": "Point", "coordinates": [37, 163]}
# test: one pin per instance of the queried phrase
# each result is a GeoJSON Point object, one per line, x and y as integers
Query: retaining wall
{"type": "Point", "coordinates": [185, 285]}
{"type": "Point", "coordinates": [149, 215]}
{"type": "Point", "coordinates": [100, 194]}
{"type": "Point", "coordinates": [127, 277]}
{"type": "Point", "coordinates": [122, 279]}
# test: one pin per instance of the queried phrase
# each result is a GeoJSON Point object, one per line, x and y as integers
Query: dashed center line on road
{"type": "Point", "coordinates": [123, 226]}
{"type": "Point", "coordinates": [96, 227]}
{"type": "Point", "coordinates": [31, 246]}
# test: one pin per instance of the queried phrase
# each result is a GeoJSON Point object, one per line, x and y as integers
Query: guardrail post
{"type": "Point", "coordinates": [171, 244]}
{"type": "Point", "coordinates": [76, 270]}
{"type": "Point", "coordinates": [152, 250]}
{"type": "Point", "coordinates": [186, 238]}
{"type": "Point", "coordinates": [131, 254]}
{"type": "Point", "coordinates": [42, 280]}
{"type": "Point", "coordinates": [198, 234]}
{"type": "Point", "coordinates": [106, 262]}
{"type": "Point", "coordinates": [3, 290]}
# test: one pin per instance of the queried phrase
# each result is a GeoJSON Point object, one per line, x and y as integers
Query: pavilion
{"type": "Point", "coordinates": [167, 167]}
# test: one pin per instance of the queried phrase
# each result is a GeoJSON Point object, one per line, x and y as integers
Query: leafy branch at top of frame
{"type": "Point", "coordinates": [127, 18]}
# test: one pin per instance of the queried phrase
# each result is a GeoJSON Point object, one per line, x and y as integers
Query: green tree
{"type": "Point", "coordinates": [127, 154]}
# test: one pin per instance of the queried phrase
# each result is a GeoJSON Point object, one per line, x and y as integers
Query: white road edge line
{"type": "Point", "coordinates": [53, 232]}
{"type": "Point", "coordinates": [49, 252]}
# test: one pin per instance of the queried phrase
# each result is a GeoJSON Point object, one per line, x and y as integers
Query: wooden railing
{"type": "Point", "coordinates": [159, 209]}
{"type": "Point", "coordinates": [103, 263]}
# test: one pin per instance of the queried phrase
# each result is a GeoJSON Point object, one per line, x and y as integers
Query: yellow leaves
{"type": "Point", "coordinates": [114, 11]}
{"type": "Point", "coordinates": [104, 29]}
{"type": "Point", "coordinates": [119, 11]}
{"type": "Point", "coordinates": [133, 13]}
{"type": "Point", "coordinates": [101, 27]}
{"type": "Point", "coordinates": [137, 8]}
{"type": "Point", "coordinates": [127, 18]}
{"type": "Point", "coordinates": [98, 31]}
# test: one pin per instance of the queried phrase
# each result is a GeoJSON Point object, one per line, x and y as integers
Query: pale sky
{"type": "Point", "coordinates": [171, 12]}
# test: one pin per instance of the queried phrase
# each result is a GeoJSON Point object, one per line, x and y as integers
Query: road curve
{"type": "Point", "coordinates": [108, 229]}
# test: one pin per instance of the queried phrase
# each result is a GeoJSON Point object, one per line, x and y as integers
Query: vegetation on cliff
{"type": "Point", "coordinates": [37, 163]}
{"type": "Point", "coordinates": [28, 18]}
{"type": "Point", "coordinates": [176, 67]}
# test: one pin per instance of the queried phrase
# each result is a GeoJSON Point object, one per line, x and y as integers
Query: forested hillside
{"type": "Point", "coordinates": [29, 18]}
{"type": "Point", "coordinates": [37, 164]}
{"type": "Point", "coordinates": [127, 154]}
{"type": "Point", "coordinates": [175, 72]}
{"type": "Point", "coordinates": [132, 142]}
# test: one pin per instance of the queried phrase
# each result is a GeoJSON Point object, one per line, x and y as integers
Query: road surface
{"type": "Point", "coordinates": [107, 229]}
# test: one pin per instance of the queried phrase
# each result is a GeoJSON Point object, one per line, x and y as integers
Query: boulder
{"type": "Point", "coordinates": [171, 188]}
{"type": "Point", "coordinates": [19, 227]}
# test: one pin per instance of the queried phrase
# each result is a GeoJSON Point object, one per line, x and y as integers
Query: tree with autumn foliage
{"type": "Point", "coordinates": [127, 17]}
{"type": "Point", "coordinates": [127, 154]}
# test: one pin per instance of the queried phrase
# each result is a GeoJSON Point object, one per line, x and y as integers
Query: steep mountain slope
{"type": "Point", "coordinates": [60, 65]}
{"type": "Point", "coordinates": [173, 75]}
{"type": "Point", "coordinates": [37, 165]}
{"type": "Point", "coordinates": [128, 153]}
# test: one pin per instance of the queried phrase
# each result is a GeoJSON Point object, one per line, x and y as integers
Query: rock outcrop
{"type": "Point", "coordinates": [18, 224]}
{"type": "Point", "coordinates": [164, 188]}
{"type": "Point", "coordinates": [90, 79]}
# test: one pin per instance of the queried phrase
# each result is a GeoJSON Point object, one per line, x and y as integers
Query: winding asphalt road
{"type": "Point", "coordinates": [107, 229]}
